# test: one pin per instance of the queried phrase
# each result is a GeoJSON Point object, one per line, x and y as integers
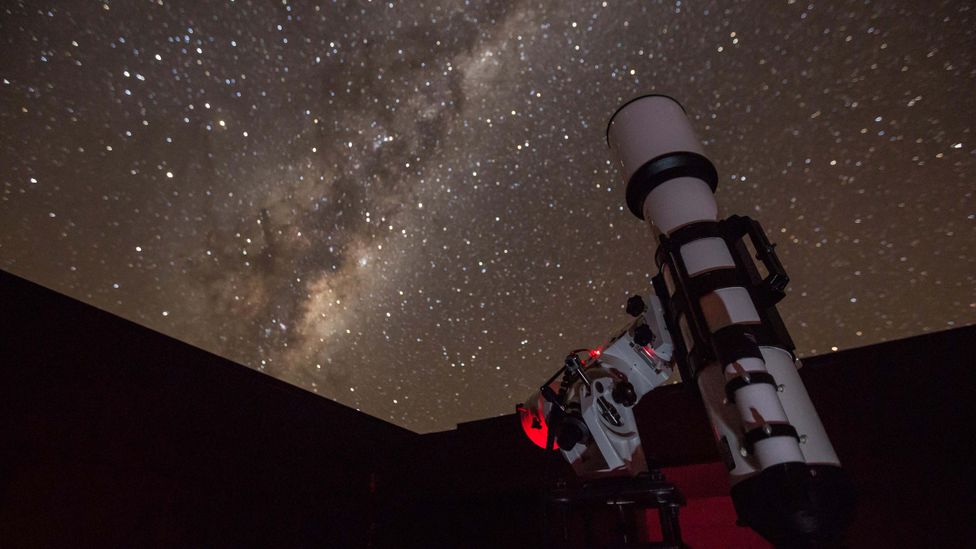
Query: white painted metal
{"type": "Point", "coordinates": [647, 128]}
{"type": "Point", "coordinates": [641, 131]}
{"type": "Point", "coordinates": [815, 445]}
{"type": "Point", "coordinates": [620, 445]}
{"type": "Point", "coordinates": [678, 202]}
{"type": "Point", "coordinates": [776, 450]}
{"type": "Point", "coordinates": [602, 437]}
{"type": "Point", "coordinates": [663, 344]}
{"type": "Point", "coordinates": [642, 369]}
{"type": "Point", "coordinates": [747, 365]}
{"type": "Point", "coordinates": [727, 306]}
{"type": "Point", "coordinates": [727, 425]}
{"type": "Point", "coordinates": [706, 254]}
{"type": "Point", "coordinates": [757, 397]}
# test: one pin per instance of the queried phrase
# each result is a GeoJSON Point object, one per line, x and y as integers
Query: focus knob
{"type": "Point", "coordinates": [624, 394]}
{"type": "Point", "coordinates": [635, 305]}
{"type": "Point", "coordinates": [643, 335]}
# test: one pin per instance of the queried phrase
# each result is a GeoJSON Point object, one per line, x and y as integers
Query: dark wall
{"type": "Point", "coordinates": [481, 485]}
{"type": "Point", "coordinates": [114, 435]}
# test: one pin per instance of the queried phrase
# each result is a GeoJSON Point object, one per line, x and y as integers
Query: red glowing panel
{"type": "Point", "coordinates": [534, 422]}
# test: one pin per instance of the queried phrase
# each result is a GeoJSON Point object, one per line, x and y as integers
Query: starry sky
{"type": "Point", "coordinates": [408, 207]}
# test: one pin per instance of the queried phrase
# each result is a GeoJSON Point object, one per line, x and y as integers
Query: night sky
{"type": "Point", "coordinates": [409, 207]}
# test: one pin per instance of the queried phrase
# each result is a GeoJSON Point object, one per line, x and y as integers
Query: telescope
{"type": "Point", "coordinates": [711, 317]}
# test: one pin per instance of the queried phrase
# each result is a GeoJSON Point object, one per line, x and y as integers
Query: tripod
{"type": "Point", "coordinates": [629, 495]}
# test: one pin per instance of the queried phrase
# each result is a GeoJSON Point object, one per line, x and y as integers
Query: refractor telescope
{"type": "Point", "coordinates": [711, 315]}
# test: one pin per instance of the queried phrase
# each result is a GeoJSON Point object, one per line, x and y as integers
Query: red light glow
{"type": "Point", "coordinates": [534, 422]}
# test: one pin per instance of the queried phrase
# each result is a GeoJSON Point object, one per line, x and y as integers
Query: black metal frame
{"type": "Point", "coordinates": [646, 491]}
{"type": "Point", "coordinates": [735, 341]}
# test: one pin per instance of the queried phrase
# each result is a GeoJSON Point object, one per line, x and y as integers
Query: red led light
{"type": "Point", "coordinates": [595, 353]}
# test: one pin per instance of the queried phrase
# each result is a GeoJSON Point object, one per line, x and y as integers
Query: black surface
{"type": "Point", "coordinates": [795, 505]}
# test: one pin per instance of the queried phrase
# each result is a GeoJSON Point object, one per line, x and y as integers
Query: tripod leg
{"type": "Point", "coordinates": [670, 527]}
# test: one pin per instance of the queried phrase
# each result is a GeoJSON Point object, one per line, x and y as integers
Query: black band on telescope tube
{"type": "Point", "coordinates": [709, 281]}
{"type": "Point", "coordinates": [750, 378]}
{"type": "Point", "coordinates": [769, 430]}
{"type": "Point", "coordinates": [735, 342]}
{"type": "Point", "coordinates": [664, 168]}
{"type": "Point", "coordinates": [695, 231]}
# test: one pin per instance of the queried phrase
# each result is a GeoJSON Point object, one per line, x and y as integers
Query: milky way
{"type": "Point", "coordinates": [408, 207]}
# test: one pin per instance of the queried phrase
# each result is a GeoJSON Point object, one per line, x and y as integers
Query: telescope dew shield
{"type": "Point", "coordinates": [786, 480]}
{"type": "Point", "coordinates": [649, 157]}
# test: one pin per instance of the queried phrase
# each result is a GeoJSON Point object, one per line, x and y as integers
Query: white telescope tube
{"type": "Point", "coordinates": [649, 129]}
{"type": "Point", "coordinates": [787, 483]}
